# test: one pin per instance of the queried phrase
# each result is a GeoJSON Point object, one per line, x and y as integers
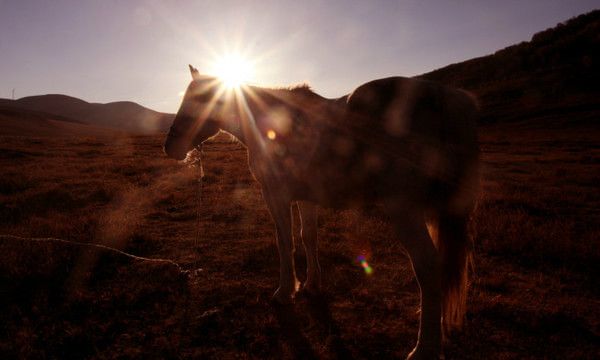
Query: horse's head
{"type": "Point", "coordinates": [197, 117]}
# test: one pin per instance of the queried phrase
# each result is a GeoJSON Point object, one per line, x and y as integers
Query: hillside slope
{"type": "Point", "coordinates": [29, 123]}
{"type": "Point", "coordinates": [123, 115]}
{"type": "Point", "coordinates": [557, 72]}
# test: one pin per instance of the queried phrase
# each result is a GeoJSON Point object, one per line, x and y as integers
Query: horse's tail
{"type": "Point", "coordinates": [455, 247]}
{"type": "Point", "coordinates": [452, 236]}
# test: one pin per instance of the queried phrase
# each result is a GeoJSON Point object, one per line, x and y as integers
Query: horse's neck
{"type": "Point", "coordinates": [233, 126]}
{"type": "Point", "coordinates": [242, 122]}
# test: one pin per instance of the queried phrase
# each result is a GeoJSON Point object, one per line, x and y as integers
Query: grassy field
{"type": "Point", "coordinates": [534, 294]}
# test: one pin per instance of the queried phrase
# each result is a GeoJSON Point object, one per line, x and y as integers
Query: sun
{"type": "Point", "coordinates": [233, 70]}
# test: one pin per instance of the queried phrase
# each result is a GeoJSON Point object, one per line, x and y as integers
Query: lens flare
{"type": "Point", "coordinates": [233, 70]}
{"type": "Point", "coordinates": [365, 265]}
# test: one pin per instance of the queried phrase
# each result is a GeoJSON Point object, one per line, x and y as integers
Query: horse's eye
{"type": "Point", "coordinates": [203, 98]}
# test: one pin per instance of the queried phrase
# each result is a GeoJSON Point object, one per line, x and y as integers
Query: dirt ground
{"type": "Point", "coordinates": [534, 291]}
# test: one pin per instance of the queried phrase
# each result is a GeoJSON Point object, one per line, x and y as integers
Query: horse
{"type": "Point", "coordinates": [407, 144]}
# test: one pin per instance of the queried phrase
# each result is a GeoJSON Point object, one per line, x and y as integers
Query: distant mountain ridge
{"type": "Point", "coordinates": [558, 71]}
{"type": "Point", "coordinates": [15, 121]}
{"type": "Point", "coordinates": [121, 115]}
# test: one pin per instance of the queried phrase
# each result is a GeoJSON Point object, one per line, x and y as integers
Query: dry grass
{"type": "Point", "coordinates": [534, 292]}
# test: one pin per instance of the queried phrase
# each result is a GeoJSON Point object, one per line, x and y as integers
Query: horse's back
{"type": "Point", "coordinates": [401, 106]}
{"type": "Point", "coordinates": [434, 125]}
{"type": "Point", "coordinates": [410, 138]}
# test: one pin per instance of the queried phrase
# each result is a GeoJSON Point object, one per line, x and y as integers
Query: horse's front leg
{"type": "Point", "coordinates": [308, 219]}
{"type": "Point", "coordinates": [279, 206]}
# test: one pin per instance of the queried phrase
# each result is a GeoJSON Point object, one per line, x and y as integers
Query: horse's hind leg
{"type": "Point", "coordinates": [308, 219]}
{"type": "Point", "coordinates": [426, 262]}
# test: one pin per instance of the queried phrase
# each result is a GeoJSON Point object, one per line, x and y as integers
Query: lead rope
{"type": "Point", "coordinates": [197, 163]}
{"type": "Point", "coordinates": [95, 246]}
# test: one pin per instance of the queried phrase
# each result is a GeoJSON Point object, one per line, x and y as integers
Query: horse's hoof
{"type": "Point", "coordinates": [310, 291]}
{"type": "Point", "coordinates": [423, 353]}
{"type": "Point", "coordinates": [281, 298]}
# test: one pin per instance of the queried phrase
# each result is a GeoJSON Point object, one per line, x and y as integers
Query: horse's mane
{"type": "Point", "coordinates": [302, 87]}
{"type": "Point", "coordinates": [298, 100]}
{"type": "Point", "coordinates": [301, 92]}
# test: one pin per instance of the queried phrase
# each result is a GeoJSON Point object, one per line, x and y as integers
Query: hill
{"type": "Point", "coordinates": [557, 72]}
{"type": "Point", "coordinates": [122, 115]}
{"type": "Point", "coordinates": [23, 122]}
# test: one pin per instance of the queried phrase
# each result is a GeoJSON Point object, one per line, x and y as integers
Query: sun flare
{"type": "Point", "coordinates": [233, 70]}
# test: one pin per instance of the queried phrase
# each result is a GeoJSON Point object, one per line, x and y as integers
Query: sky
{"type": "Point", "coordinates": [103, 51]}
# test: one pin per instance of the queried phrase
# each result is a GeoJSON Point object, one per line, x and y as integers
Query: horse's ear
{"type": "Point", "coordinates": [194, 72]}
